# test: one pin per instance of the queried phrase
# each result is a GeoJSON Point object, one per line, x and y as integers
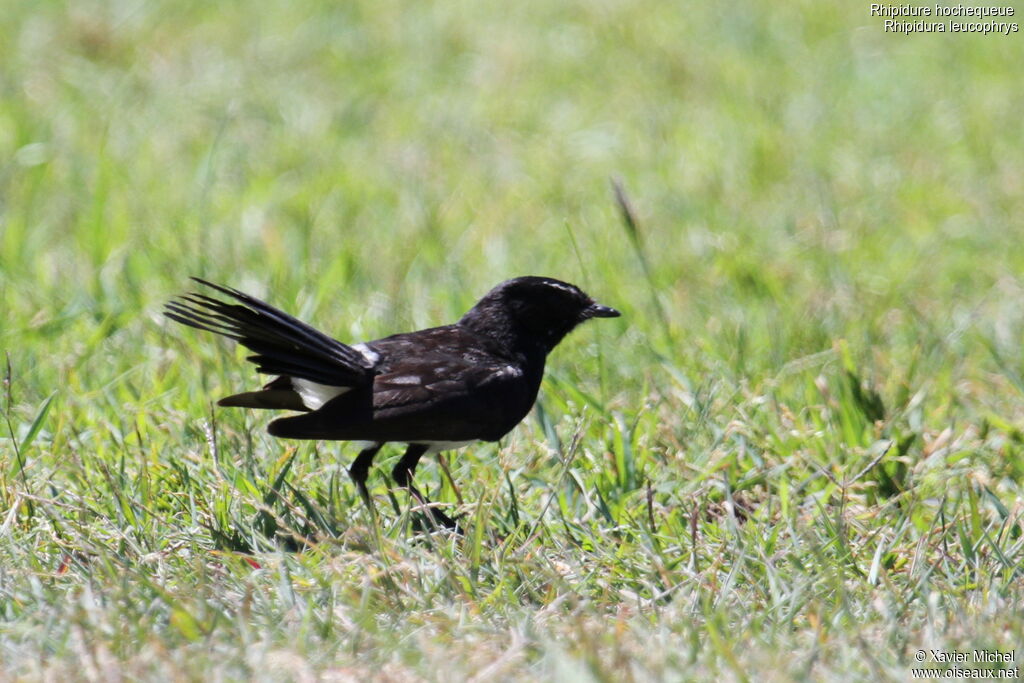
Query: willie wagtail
{"type": "Point", "coordinates": [434, 389]}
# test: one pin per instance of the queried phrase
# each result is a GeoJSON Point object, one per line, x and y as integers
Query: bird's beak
{"type": "Point", "coordinates": [596, 310]}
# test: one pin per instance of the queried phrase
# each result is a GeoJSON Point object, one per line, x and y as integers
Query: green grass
{"type": "Point", "coordinates": [798, 454]}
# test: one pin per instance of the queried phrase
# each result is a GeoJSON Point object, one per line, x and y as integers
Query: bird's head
{"type": "Point", "coordinates": [534, 311]}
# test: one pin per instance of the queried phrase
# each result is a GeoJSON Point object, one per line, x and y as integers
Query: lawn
{"type": "Point", "coordinates": [797, 455]}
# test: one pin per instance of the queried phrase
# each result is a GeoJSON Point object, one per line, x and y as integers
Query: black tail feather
{"type": "Point", "coordinates": [268, 399]}
{"type": "Point", "coordinates": [283, 345]}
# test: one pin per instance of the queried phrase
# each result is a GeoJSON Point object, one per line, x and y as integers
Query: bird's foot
{"type": "Point", "coordinates": [434, 520]}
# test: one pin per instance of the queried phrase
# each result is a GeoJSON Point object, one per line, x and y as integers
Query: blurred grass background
{"type": "Point", "coordinates": [803, 436]}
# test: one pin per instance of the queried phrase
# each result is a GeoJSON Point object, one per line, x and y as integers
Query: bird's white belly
{"type": "Point", "coordinates": [314, 395]}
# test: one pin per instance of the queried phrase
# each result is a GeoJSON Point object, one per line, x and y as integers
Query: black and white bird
{"type": "Point", "coordinates": [434, 389]}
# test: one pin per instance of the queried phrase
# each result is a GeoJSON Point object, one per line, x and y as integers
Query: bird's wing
{"type": "Point", "coordinates": [433, 397]}
{"type": "Point", "coordinates": [425, 385]}
{"type": "Point", "coordinates": [283, 345]}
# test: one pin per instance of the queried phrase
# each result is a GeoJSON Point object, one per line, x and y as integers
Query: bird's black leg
{"type": "Point", "coordinates": [403, 473]}
{"type": "Point", "coordinates": [360, 470]}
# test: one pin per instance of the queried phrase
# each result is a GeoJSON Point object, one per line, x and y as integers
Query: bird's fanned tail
{"type": "Point", "coordinates": [283, 345]}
